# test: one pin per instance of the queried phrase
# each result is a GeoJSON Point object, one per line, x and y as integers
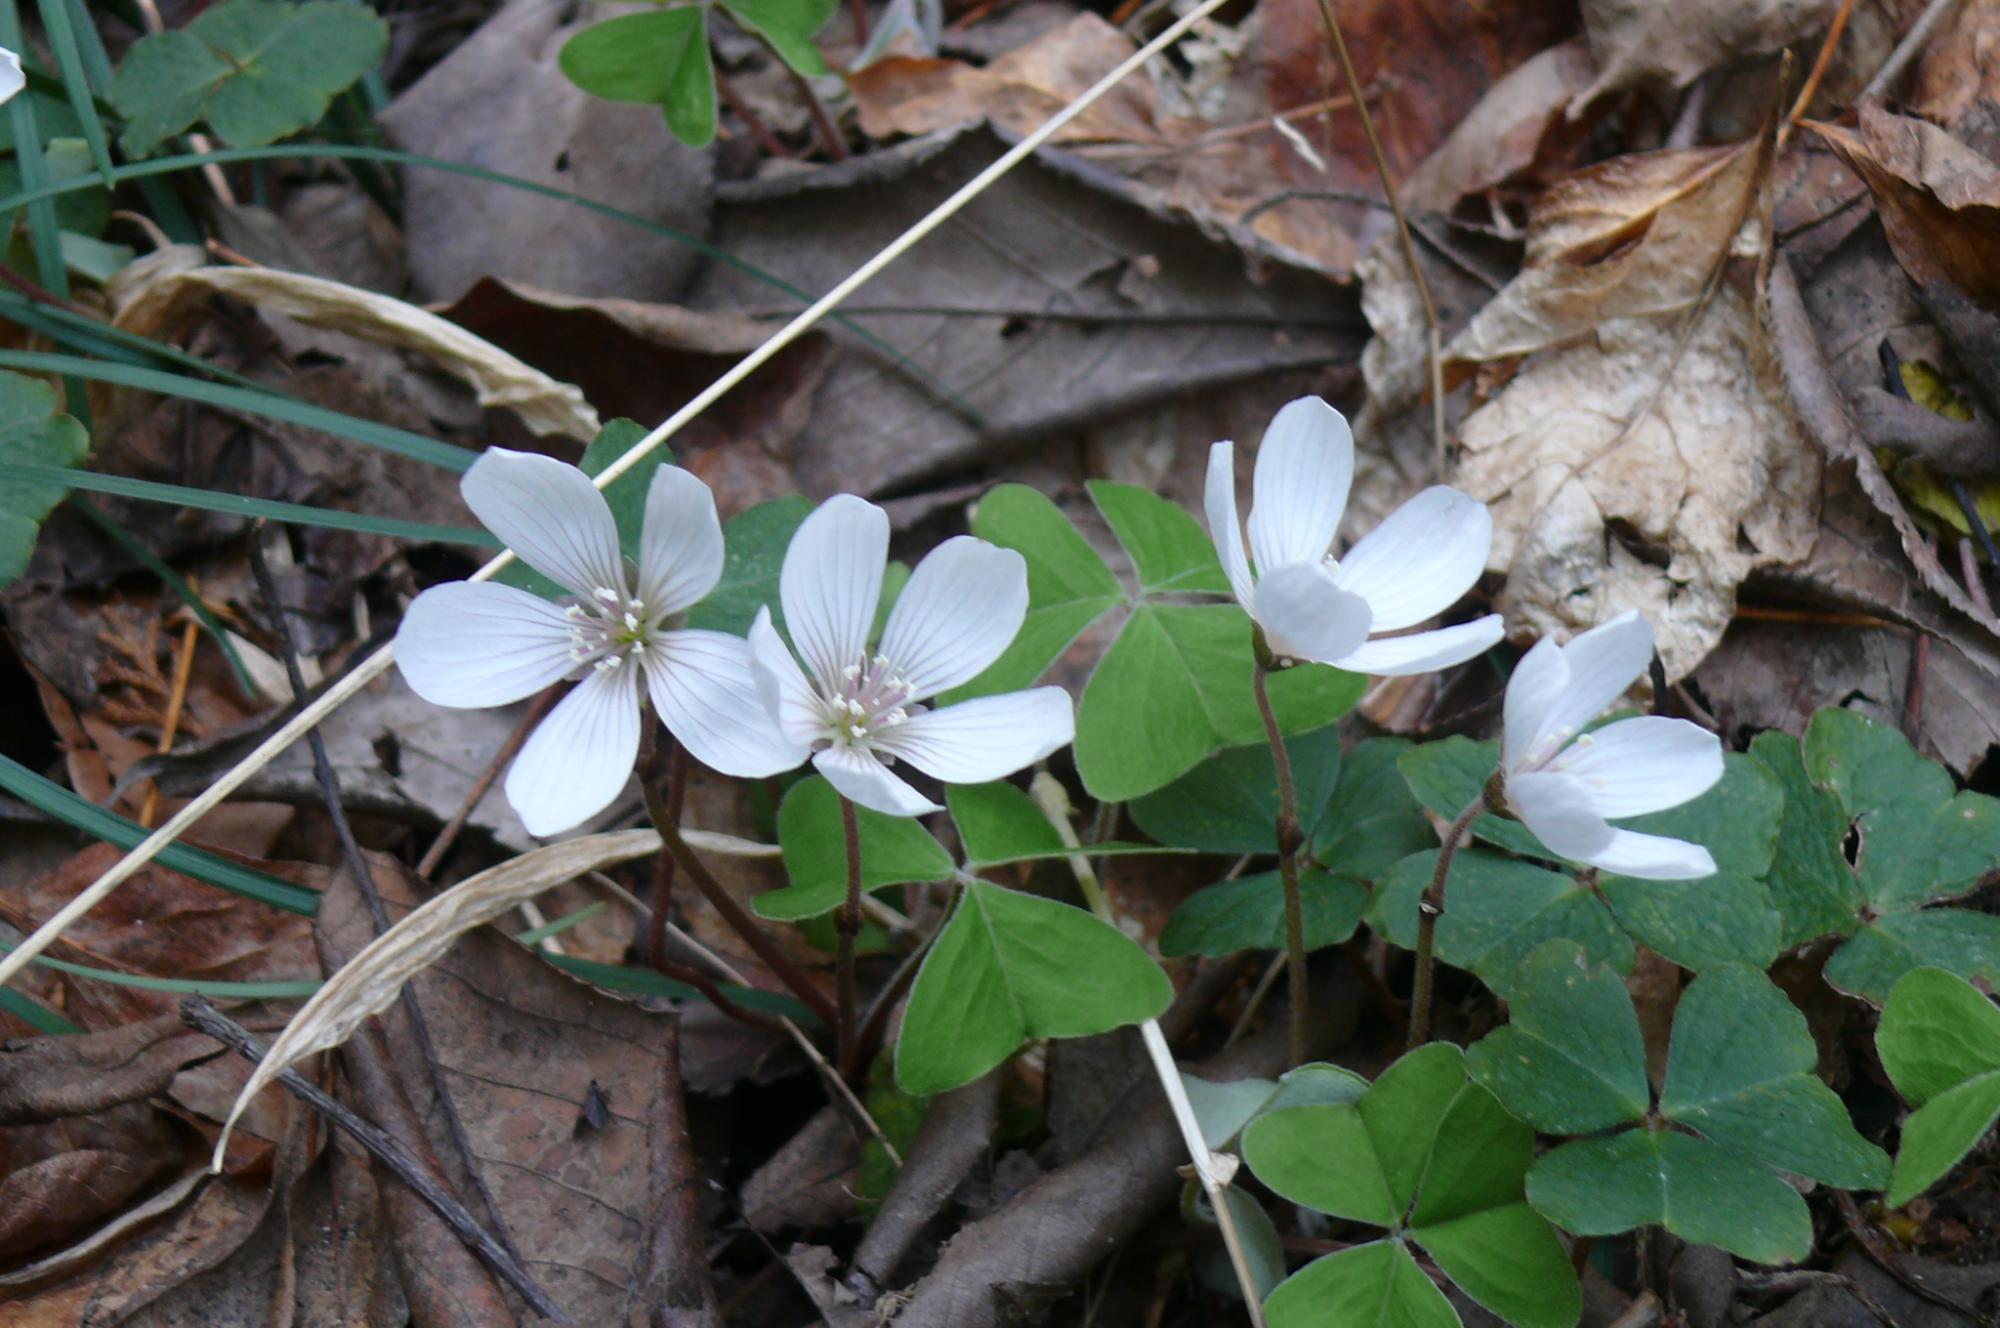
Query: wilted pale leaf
{"type": "Point", "coordinates": [1669, 518]}
{"type": "Point", "coordinates": [370, 982]}
{"type": "Point", "coordinates": [154, 307]}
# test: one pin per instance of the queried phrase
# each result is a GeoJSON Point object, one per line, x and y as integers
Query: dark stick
{"type": "Point", "coordinates": [1429, 910]}
{"type": "Point", "coordinates": [1290, 838]}
{"type": "Point", "coordinates": [836, 146]}
{"type": "Point", "coordinates": [364, 881]}
{"type": "Point", "coordinates": [723, 902]}
{"type": "Point", "coordinates": [1913, 697]}
{"type": "Point", "coordinates": [673, 1274]}
{"type": "Point", "coordinates": [751, 120]}
{"type": "Point", "coordinates": [847, 923]}
{"type": "Point", "coordinates": [197, 1013]}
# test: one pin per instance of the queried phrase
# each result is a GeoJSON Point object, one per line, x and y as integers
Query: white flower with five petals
{"type": "Point", "coordinates": [1413, 566]}
{"type": "Point", "coordinates": [478, 643]}
{"type": "Point", "coordinates": [1567, 785]}
{"type": "Point", "coordinates": [860, 710]}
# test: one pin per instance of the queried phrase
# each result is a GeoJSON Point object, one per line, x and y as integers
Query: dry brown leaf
{"type": "Point", "coordinates": [1938, 199]}
{"type": "Point", "coordinates": [1637, 236]}
{"type": "Point", "coordinates": [1960, 65]}
{"type": "Point", "coordinates": [166, 290]}
{"type": "Point", "coordinates": [369, 983]}
{"type": "Point", "coordinates": [1662, 47]}
{"type": "Point", "coordinates": [1509, 129]}
{"type": "Point", "coordinates": [1018, 91]}
{"type": "Point", "coordinates": [1589, 519]}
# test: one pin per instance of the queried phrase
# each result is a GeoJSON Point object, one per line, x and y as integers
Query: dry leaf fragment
{"type": "Point", "coordinates": [1938, 199]}
{"type": "Point", "coordinates": [1663, 47]}
{"type": "Point", "coordinates": [370, 981]}
{"type": "Point", "coordinates": [1669, 517]}
{"type": "Point", "coordinates": [1636, 236]}
{"type": "Point", "coordinates": [1509, 129]}
{"type": "Point", "coordinates": [159, 303]}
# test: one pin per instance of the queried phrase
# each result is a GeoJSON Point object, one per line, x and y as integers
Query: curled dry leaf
{"type": "Point", "coordinates": [1662, 47]}
{"type": "Point", "coordinates": [1517, 123]}
{"type": "Point", "coordinates": [1938, 199]}
{"type": "Point", "coordinates": [369, 983]}
{"type": "Point", "coordinates": [168, 291]}
{"type": "Point", "coordinates": [1637, 236]}
{"type": "Point", "coordinates": [1667, 516]}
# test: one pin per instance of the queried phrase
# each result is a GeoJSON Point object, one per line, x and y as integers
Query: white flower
{"type": "Point", "coordinates": [12, 80]}
{"type": "Point", "coordinates": [478, 643]}
{"type": "Point", "coordinates": [1565, 791]}
{"type": "Point", "coordinates": [1412, 567]}
{"type": "Point", "coordinates": [859, 709]}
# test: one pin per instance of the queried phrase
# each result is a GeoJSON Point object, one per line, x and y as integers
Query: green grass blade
{"type": "Point", "coordinates": [288, 409]}
{"type": "Point", "coordinates": [646, 982]}
{"type": "Point", "coordinates": [230, 504]}
{"type": "Point", "coordinates": [54, 800]}
{"type": "Point", "coordinates": [42, 227]}
{"type": "Point", "coordinates": [58, 28]}
{"type": "Point", "coordinates": [344, 152]}
{"type": "Point", "coordinates": [536, 935]}
{"type": "Point", "coordinates": [90, 336]}
{"type": "Point", "coordinates": [277, 989]}
{"type": "Point", "coordinates": [36, 1015]}
{"type": "Point", "coordinates": [174, 581]}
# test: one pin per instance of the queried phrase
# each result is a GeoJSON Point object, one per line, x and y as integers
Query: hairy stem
{"type": "Point", "coordinates": [723, 902]}
{"type": "Point", "coordinates": [1429, 910]}
{"type": "Point", "coordinates": [847, 924]}
{"type": "Point", "coordinates": [663, 868]}
{"type": "Point", "coordinates": [1290, 839]}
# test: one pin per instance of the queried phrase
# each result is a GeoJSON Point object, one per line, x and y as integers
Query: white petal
{"type": "Point", "coordinates": [12, 80]}
{"type": "Point", "coordinates": [1225, 527]}
{"type": "Point", "coordinates": [863, 779]}
{"type": "Point", "coordinates": [1654, 857]}
{"type": "Point", "coordinates": [704, 687]}
{"type": "Point", "coordinates": [580, 756]}
{"type": "Point", "coordinates": [1305, 615]}
{"type": "Point", "coordinates": [680, 545]}
{"type": "Point", "coordinates": [1643, 765]}
{"type": "Point", "coordinates": [550, 515]}
{"type": "Point", "coordinates": [1602, 663]}
{"type": "Point", "coordinates": [1560, 811]}
{"type": "Point", "coordinates": [1424, 652]}
{"type": "Point", "coordinates": [984, 739]}
{"type": "Point", "coordinates": [786, 695]}
{"type": "Point", "coordinates": [1303, 471]}
{"type": "Point", "coordinates": [831, 582]}
{"type": "Point", "coordinates": [1421, 559]}
{"type": "Point", "coordinates": [474, 643]}
{"type": "Point", "coordinates": [1532, 690]}
{"type": "Point", "coordinates": [960, 609]}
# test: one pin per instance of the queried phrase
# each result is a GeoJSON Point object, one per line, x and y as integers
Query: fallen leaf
{"type": "Point", "coordinates": [1665, 47]}
{"type": "Point", "coordinates": [1938, 199]}
{"type": "Point", "coordinates": [500, 101]}
{"type": "Point", "coordinates": [1517, 124]}
{"type": "Point", "coordinates": [1635, 236]}
{"type": "Point", "coordinates": [1960, 65]}
{"type": "Point", "coordinates": [1667, 516]}
{"type": "Point", "coordinates": [158, 306]}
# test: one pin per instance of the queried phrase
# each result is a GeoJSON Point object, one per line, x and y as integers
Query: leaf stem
{"type": "Point", "coordinates": [723, 902]}
{"type": "Point", "coordinates": [847, 924]}
{"type": "Point", "coordinates": [1429, 909]}
{"type": "Point", "coordinates": [1290, 839]}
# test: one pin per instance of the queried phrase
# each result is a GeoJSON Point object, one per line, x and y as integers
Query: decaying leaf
{"type": "Point", "coordinates": [1960, 65]}
{"type": "Point", "coordinates": [1663, 47]}
{"type": "Point", "coordinates": [1666, 517]}
{"type": "Point", "coordinates": [369, 982]}
{"type": "Point", "coordinates": [165, 289]}
{"type": "Point", "coordinates": [1938, 199]}
{"type": "Point", "coordinates": [1508, 131]}
{"type": "Point", "coordinates": [1637, 236]}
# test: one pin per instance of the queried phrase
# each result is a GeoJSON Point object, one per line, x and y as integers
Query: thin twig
{"type": "Point", "coordinates": [359, 676]}
{"type": "Point", "coordinates": [1429, 909]}
{"type": "Point", "coordinates": [170, 723]}
{"type": "Point", "coordinates": [197, 1013]}
{"type": "Point", "coordinates": [1811, 85]}
{"type": "Point", "coordinates": [434, 855]}
{"type": "Point", "coordinates": [829, 133]}
{"type": "Point", "coordinates": [847, 926]}
{"type": "Point", "coordinates": [1906, 50]}
{"type": "Point", "coordinates": [1402, 230]}
{"type": "Point", "coordinates": [1290, 839]}
{"type": "Point", "coordinates": [752, 121]}
{"type": "Point", "coordinates": [364, 882]}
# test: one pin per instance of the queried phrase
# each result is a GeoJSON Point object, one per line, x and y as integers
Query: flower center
{"type": "Point", "coordinates": [868, 697]}
{"type": "Point", "coordinates": [607, 627]}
